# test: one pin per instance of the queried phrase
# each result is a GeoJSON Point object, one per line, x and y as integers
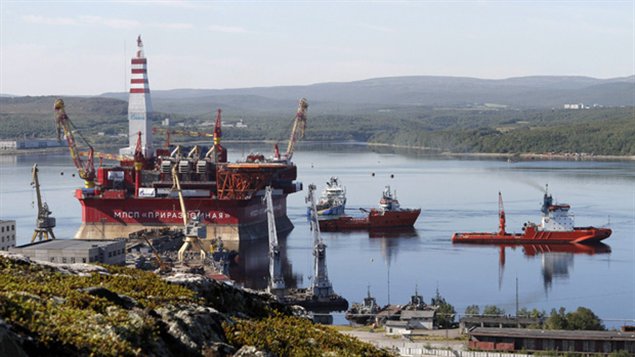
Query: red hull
{"type": "Point", "coordinates": [234, 219]}
{"type": "Point", "coordinates": [375, 220]}
{"type": "Point", "coordinates": [532, 236]}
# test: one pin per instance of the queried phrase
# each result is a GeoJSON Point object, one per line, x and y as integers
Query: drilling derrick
{"type": "Point", "coordinates": [321, 285]}
{"type": "Point", "coordinates": [276, 280]}
{"type": "Point", "coordinates": [44, 224]}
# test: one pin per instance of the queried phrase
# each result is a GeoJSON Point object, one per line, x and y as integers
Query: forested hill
{"type": "Point", "coordinates": [473, 128]}
{"type": "Point", "coordinates": [520, 92]}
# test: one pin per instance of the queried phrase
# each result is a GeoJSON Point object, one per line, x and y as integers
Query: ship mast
{"type": "Point", "coordinates": [276, 280]}
{"type": "Point", "coordinates": [44, 223]}
{"type": "Point", "coordinates": [321, 285]}
{"type": "Point", "coordinates": [501, 215]}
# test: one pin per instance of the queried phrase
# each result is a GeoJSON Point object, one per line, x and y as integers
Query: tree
{"type": "Point", "coordinates": [493, 310]}
{"type": "Point", "coordinates": [584, 319]}
{"type": "Point", "coordinates": [557, 320]}
{"type": "Point", "coordinates": [472, 310]}
{"type": "Point", "coordinates": [534, 313]}
{"type": "Point", "coordinates": [444, 316]}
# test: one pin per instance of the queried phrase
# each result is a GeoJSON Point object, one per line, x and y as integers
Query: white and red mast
{"type": "Point", "coordinates": [139, 105]}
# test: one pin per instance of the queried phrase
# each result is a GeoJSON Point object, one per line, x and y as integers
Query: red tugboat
{"type": "Point", "coordinates": [388, 215]}
{"type": "Point", "coordinates": [556, 227]}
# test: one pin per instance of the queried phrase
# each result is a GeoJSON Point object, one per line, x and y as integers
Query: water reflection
{"type": "Point", "coordinates": [251, 267]}
{"type": "Point", "coordinates": [390, 240]}
{"type": "Point", "coordinates": [556, 259]}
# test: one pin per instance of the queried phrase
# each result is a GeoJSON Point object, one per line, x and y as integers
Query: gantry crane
{"type": "Point", "coordinates": [321, 286]}
{"type": "Point", "coordinates": [86, 169]}
{"type": "Point", "coordinates": [299, 124]}
{"type": "Point", "coordinates": [193, 230]}
{"type": "Point", "coordinates": [276, 279]}
{"type": "Point", "coordinates": [44, 224]}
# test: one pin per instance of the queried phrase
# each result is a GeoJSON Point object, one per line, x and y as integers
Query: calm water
{"type": "Point", "coordinates": [455, 195]}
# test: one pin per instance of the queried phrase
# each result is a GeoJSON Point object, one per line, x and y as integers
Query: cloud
{"type": "Point", "coordinates": [174, 26]}
{"type": "Point", "coordinates": [55, 21]}
{"type": "Point", "coordinates": [227, 29]}
{"type": "Point", "coordinates": [110, 22]}
{"type": "Point", "coordinates": [114, 23]}
{"type": "Point", "coordinates": [377, 28]}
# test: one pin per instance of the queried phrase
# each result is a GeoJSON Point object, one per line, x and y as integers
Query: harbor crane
{"type": "Point", "coordinates": [45, 223]}
{"type": "Point", "coordinates": [86, 169]}
{"type": "Point", "coordinates": [193, 230]}
{"type": "Point", "coordinates": [321, 286]}
{"type": "Point", "coordinates": [276, 279]}
{"type": "Point", "coordinates": [299, 125]}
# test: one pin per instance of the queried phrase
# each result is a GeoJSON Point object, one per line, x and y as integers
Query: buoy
{"type": "Point", "coordinates": [372, 174]}
{"type": "Point", "coordinates": [392, 176]}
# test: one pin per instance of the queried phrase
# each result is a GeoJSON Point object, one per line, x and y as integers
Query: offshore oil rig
{"type": "Point", "coordinates": [136, 192]}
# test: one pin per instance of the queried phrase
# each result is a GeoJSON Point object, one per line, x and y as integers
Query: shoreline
{"type": "Point", "coordinates": [513, 157]}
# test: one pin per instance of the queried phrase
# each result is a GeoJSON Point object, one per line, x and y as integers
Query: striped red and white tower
{"type": "Point", "coordinates": [139, 105]}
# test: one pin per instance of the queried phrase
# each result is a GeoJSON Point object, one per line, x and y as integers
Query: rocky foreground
{"type": "Point", "coordinates": [81, 309]}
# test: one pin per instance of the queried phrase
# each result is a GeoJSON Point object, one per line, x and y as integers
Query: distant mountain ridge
{"type": "Point", "coordinates": [521, 92]}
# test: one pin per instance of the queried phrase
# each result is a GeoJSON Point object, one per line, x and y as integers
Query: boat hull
{"type": "Point", "coordinates": [376, 220]}
{"type": "Point", "coordinates": [584, 235]}
{"type": "Point", "coordinates": [233, 220]}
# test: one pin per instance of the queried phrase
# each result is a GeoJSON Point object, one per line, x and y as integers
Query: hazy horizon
{"type": "Point", "coordinates": [84, 48]}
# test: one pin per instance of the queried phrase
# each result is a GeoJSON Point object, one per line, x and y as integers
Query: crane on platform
{"type": "Point", "coordinates": [86, 169]}
{"type": "Point", "coordinates": [276, 279]}
{"type": "Point", "coordinates": [321, 286]}
{"type": "Point", "coordinates": [45, 223]}
{"type": "Point", "coordinates": [501, 215]}
{"type": "Point", "coordinates": [193, 230]}
{"type": "Point", "coordinates": [299, 125]}
{"type": "Point", "coordinates": [217, 151]}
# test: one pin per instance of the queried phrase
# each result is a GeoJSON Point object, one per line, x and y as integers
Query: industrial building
{"type": "Point", "coordinates": [7, 234]}
{"type": "Point", "coordinates": [533, 340]}
{"type": "Point", "coordinates": [29, 144]}
{"type": "Point", "coordinates": [69, 251]}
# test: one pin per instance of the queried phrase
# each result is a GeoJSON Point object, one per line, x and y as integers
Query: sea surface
{"type": "Point", "coordinates": [455, 195]}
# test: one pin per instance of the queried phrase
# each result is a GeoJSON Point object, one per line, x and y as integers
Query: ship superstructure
{"type": "Point", "coordinates": [332, 202]}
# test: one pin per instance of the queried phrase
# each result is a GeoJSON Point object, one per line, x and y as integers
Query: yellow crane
{"type": "Point", "coordinates": [299, 124]}
{"type": "Point", "coordinates": [86, 169]}
{"type": "Point", "coordinates": [44, 224]}
{"type": "Point", "coordinates": [193, 230]}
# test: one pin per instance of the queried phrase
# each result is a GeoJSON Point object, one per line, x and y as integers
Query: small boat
{"type": "Point", "coordinates": [363, 313]}
{"type": "Point", "coordinates": [388, 215]}
{"type": "Point", "coordinates": [332, 202]}
{"type": "Point", "coordinates": [557, 226]}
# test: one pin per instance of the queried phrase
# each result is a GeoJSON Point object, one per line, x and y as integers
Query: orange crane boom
{"type": "Point", "coordinates": [86, 169]}
{"type": "Point", "coordinates": [299, 124]}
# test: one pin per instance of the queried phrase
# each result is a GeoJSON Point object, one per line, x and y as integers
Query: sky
{"type": "Point", "coordinates": [84, 47]}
